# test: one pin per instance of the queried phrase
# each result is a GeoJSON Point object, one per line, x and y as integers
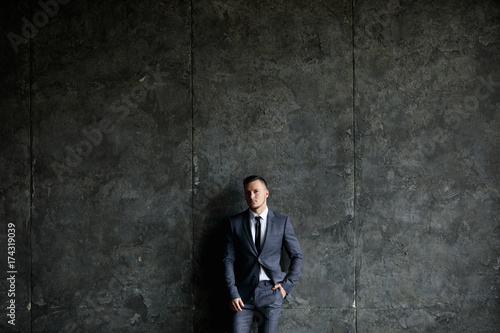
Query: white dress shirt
{"type": "Point", "coordinates": [263, 228]}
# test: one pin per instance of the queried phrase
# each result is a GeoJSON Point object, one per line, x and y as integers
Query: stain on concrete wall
{"type": "Point", "coordinates": [127, 128]}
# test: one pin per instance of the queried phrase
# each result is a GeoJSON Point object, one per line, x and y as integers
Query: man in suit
{"type": "Point", "coordinates": [254, 242]}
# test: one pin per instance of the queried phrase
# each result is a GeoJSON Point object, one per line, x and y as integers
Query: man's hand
{"type": "Point", "coordinates": [283, 292]}
{"type": "Point", "coordinates": [236, 304]}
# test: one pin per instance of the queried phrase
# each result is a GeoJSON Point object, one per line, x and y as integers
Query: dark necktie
{"type": "Point", "coordinates": [257, 233]}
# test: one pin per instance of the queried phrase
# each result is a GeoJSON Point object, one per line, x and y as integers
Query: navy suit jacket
{"type": "Point", "coordinates": [242, 262]}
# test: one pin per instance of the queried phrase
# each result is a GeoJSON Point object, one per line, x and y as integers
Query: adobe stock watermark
{"type": "Point", "coordinates": [483, 92]}
{"type": "Point", "coordinates": [11, 273]}
{"type": "Point", "coordinates": [93, 134]}
{"type": "Point", "coordinates": [381, 19]}
{"type": "Point", "coordinates": [49, 9]}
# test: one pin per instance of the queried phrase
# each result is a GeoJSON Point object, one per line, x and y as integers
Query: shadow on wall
{"type": "Point", "coordinates": [212, 312]}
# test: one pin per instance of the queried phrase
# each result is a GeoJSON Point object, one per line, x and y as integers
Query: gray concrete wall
{"type": "Point", "coordinates": [127, 128]}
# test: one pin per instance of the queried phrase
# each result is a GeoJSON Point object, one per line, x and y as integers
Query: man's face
{"type": "Point", "coordinates": [256, 195]}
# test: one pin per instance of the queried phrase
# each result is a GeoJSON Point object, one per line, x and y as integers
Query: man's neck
{"type": "Point", "coordinates": [260, 210]}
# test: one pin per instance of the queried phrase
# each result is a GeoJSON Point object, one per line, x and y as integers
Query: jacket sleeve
{"type": "Point", "coordinates": [228, 260]}
{"type": "Point", "coordinates": [294, 252]}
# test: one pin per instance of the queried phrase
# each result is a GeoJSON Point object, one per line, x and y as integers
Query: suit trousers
{"type": "Point", "coordinates": [265, 305]}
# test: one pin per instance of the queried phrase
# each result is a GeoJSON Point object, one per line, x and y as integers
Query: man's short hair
{"type": "Point", "coordinates": [253, 178]}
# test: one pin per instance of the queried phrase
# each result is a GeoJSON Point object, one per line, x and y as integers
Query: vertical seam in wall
{"type": "Point", "coordinates": [192, 166]}
{"type": "Point", "coordinates": [355, 253]}
{"type": "Point", "coordinates": [31, 177]}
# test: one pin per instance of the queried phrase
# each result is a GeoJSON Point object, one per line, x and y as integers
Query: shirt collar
{"type": "Point", "coordinates": [263, 214]}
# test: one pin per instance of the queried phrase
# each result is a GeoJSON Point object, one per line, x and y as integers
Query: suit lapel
{"type": "Point", "coordinates": [270, 224]}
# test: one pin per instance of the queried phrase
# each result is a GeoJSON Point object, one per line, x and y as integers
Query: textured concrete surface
{"type": "Point", "coordinates": [127, 128]}
{"type": "Point", "coordinates": [111, 121]}
{"type": "Point", "coordinates": [428, 176]}
{"type": "Point", "coordinates": [15, 179]}
{"type": "Point", "coordinates": [269, 109]}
